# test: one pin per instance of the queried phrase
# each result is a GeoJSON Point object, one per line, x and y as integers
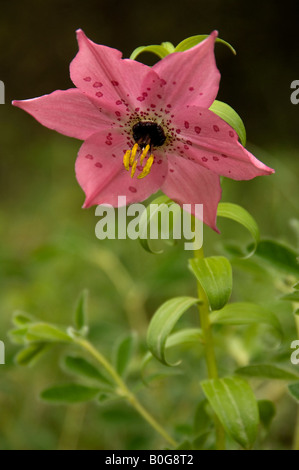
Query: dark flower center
{"type": "Point", "coordinates": [148, 133]}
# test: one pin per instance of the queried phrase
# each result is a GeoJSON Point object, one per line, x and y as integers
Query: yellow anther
{"type": "Point", "coordinates": [126, 160]}
{"type": "Point", "coordinates": [133, 154]}
{"type": "Point", "coordinates": [133, 168]}
{"type": "Point", "coordinates": [147, 167]}
{"type": "Point", "coordinates": [144, 154]}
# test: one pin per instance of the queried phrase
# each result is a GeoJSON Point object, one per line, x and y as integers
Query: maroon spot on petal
{"type": "Point", "coordinates": [153, 105]}
{"type": "Point", "coordinates": [89, 157]}
{"type": "Point", "coordinates": [189, 142]}
{"type": "Point", "coordinates": [191, 88]}
{"type": "Point", "coordinates": [204, 159]}
{"type": "Point", "coordinates": [186, 124]}
{"type": "Point", "coordinates": [118, 102]}
{"type": "Point", "coordinates": [87, 79]}
{"type": "Point", "coordinates": [159, 96]}
{"type": "Point", "coordinates": [197, 129]}
{"type": "Point", "coordinates": [97, 84]}
{"type": "Point", "coordinates": [144, 94]}
{"type": "Point", "coordinates": [108, 142]}
{"type": "Point", "coordinates": [139, 167]}
{"type": "Point", "coordinates": [159, 162]}
{"type": "Point", "coordinates": [178, 131]}
{"type": "Point", "coordinates": [109, 137]}
{"type": "Point", "coordinates": [174, 83]}
{"type": "Point", "coordinates": [231, 134]}
{"type": "Point", "coordinates": [99, 94]}
{"type": "Point", "coordinates": [140, 98]}
{"type": "Point", "coordinates": [223, 155]}
{"type": "Point", "coordinates": [98, 165]}
{"type": "Point", "coordinates": [114, 83]}
{"type": "Point", "coordinates": [148, 89]}
{"type": "Point", "coordinates": [137, 109]}
{"type": "Point", "coordinates": [171, 170]}
{"type": "Point", "coordinates": [113, 155]}
{"type": "Point", "coordinates": [216, 159]}
{"type": "Point", "coordinates": [168, 105]}
{"type": "Point", "coordinates": [216, 128]}
{"type": "Point", "coordinates": [200, 94]}
{"type": "Point", "coordinates": [162, 82]}
{"type": "Point", "coordinates": [132, 189]}
{"type": "Point", "coordinates": [186, 147]}
{"type": "Point", "coordinates": [117, 113]}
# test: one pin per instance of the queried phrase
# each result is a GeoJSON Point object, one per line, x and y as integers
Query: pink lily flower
{"type": "Point", "coordinates": [147, 128]}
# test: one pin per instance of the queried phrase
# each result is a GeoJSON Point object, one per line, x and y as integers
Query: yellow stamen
{"type": "Point", "coordinates": [133, 168]}
{"type": "Point", "coordinates": [126, 160]}
{"type": "Point", "coordinates": [133, 154]}
{"type": "Point", "coordinates": [147, 167]}
{"type": "Point", "coordinates": [144, 154]}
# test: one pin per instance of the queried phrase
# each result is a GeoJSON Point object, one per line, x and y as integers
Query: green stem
{"type": "Point", "coordinates": [123, 389]}
{"type": "Point", "coordinates": [204, 316]}
{"type": "Point", "coordinates": [296, 434]}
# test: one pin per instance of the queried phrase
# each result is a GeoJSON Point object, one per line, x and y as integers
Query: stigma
{"type": "Point", "coordinates": [147, 134]}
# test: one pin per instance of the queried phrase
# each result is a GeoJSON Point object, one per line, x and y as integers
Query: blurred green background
{"type": "Point", "coordinates": [49, 251]}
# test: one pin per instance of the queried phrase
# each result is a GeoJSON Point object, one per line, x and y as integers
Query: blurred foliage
{"type": "Point", "coordinates": [49, 251]}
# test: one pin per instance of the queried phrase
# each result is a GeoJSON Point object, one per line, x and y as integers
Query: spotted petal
{"type": "Point", "coordinates": [69, 112]}
{"type": "Point", "coordinates": [190, 77]}
{"type": "Point", "coordinates": [111, 81]}
{"type": "Point", "coordinates": [102, 176]}
{"type": "Point", "coordinates": [208, 140]}
{"type": "Point", "coordinates": [190, 183]}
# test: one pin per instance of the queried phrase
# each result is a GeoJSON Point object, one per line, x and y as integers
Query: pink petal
{"type": "Point", "coordinates": [99, 71]}
{"type": "Point", "coordinates": [102, 176]}
{"type": "Point", "coordinates": [208, 140]}
{"type": "Point", "coordinates": [69, 112]}
{"type": "Point", "coordinates": [189, 183]}
{"type": "Point", "coordinates": [190, 77]}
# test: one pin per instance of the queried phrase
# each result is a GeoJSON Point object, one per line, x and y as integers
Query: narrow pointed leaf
{"type": "Point", "coordinates": [267, 371]}
{"type": "Point", "coordinates": [161, 51]}
{"type": "Point", "coordinates": [71, 393]}
{"type": "Point", "coordinates": [163, 323]}
{"type": "Point", "coordinates": [236, 407]}
{"type": "Point", "coordinates": [82, 367]}
{"type": "Point", "coordinates": [215, 276]}
{"type": "Point", "coordinates": [30, 354]}
{"type": "Point", "coordinates": [267, 412]}
{"type": "Point", "coordinates": [242, 216]}
{"type": "Point", "coordinates": [245, 313]}
{"type": "Point", "coordinates": [81, 311]}
{"type": "Point", "coordinates": [123, 354]}
{"type": "Point", "coordinates": [278, 256]}
{"type": "Point", "coordinates": [194, 40]}
{"type": "Point", "coordinates": [47, 332]}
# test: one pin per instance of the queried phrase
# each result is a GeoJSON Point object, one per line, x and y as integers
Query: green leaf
{"type": "Point", "coordinates": [235, 405]}
{"type": "Point", "coordinates": [194, 40]}
{"type": "Point", "coordinates": [242, 216]}
{"type": "Point", "coordinates": [22, 318]}
{"type": "Point", "coordinates": [81, 311]}
{"type": "Point", "coordinates": [179, 338]}
{"type": "Point", "coordinates": [80, 366]}
{"type": "Point", "coordinates": [215, 276]}
{"type": "Point", "coordinates": [150, 217]}
{"type": "Point", "coordinates": [47, 332]}
{"type": "Point", "coordinates": [267, 412]}
{"type": "Point", "coordinates": [161, 51]}
{"type": "Point", "coordinates": [244, 313]}
{"type": "Point", "coordinates": [296, 286]}
{"type": "Point", "coordinates": [293, 296]}
{"type": "Point", "coordinates": [268, 371]}
{"type": "Point", "coordinates": [18, 335]}
{"type": "Point", "coordinates": [163, 322]}
{"type": "Point", "coordinates": [123, 354]}
{"type": "Point", "coordinates": [71, 393]}
{"type": "Point", "coordinates": [202, 421]}
{"type": "Point", "coordinates": [278, 256]}
{"type": "Point", "coordinates": [229, 115]}
{"type": "Point", "coordinates": [29, 355]}
{"type": "Point", "coordinates": [294, 391]}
